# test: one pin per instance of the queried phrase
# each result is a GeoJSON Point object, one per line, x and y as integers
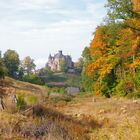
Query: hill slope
{"type": "Point", "coordinates": [9, 86]}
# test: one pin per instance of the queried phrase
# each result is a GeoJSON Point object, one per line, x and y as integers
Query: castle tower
{"type": "Point", "coordinates": [50, 57]}
{"type": "Point", "coordinates": [60, 52]}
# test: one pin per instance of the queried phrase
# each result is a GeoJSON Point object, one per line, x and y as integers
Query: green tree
{"type": "Point", "coordinates": [125, 11]}
{"type": "Point", "coordinates": [20, 73]}
{"type": "Point", "coordinates": [11, 60]}
{"type": "Point", "coordinates": [120, 9]}
{"type": "Point", "coordinates": [87, 81]}
{"type": "Point", "coordinates": [45, 74]}
{"type": "Point", "coordinates": [3, 69]}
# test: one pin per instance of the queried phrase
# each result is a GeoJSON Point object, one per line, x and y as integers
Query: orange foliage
{"type": "Point", "coordinates": [116, 50]}
{"type": "Point", "coordinates": [136, 5]}
{"type": "Point", "coordinates": [98, 44]}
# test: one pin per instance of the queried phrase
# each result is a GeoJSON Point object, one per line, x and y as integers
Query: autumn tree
{"type": "Point", "coordinates": [115, 51]}
{"type": "Point", "coordinates": [28, 65]}
{"type": "Point", "coordinates": [104, 60]}
{"type": "Point", "coordinates": [128, 11]}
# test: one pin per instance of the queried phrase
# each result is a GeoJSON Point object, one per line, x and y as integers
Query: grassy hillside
{"type": "Point", "coordinates": [38, 119]}
{"type": "Point", "coordinates": [10, 86]}
{"type": "Point", "coordinates": [64, 80]}
{"type": "Point", "coordinates": [60, 117]}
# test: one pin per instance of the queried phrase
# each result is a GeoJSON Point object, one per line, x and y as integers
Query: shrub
{"type": "Point", "coordinates": [125, 87]}
{"type": "Point", "coordinates": [61, 98]}
{"type": "Point", "coordinates": [32, 78]}
{"type": "Point", "coordinates": [32, 99]}
{"type": "Point", "coordinates": [62, 90]}
{"type": "Point", "coordinates": [21, 104]}
{"type": "Point", "coordinates": [120, 88]}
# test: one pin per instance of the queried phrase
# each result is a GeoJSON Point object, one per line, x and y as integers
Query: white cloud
{"type": "Point", "coordinates": [41, 62]}
{"type": "Point", "coordinates": [37, 4]}
{"type": "Point", "coordinates": [39, 32]}
{"type": "Point", "coordinates": [70, 36]}
{"type": "Point", "coordinates": [95, 9]}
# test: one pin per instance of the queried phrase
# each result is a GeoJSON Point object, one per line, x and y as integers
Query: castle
{"type": "Point", "coordinates": [54, 62]}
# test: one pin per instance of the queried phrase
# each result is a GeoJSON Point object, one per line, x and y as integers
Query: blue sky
{"type": "Point", "coordinates": [40, 27]}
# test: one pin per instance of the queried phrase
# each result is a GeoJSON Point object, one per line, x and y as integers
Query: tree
{"type": "Point", "coordinates": [28, 65]}
{"type": "Point", "coordinates": [20, 73]}
{"type": "Point", "coordinates": [136, 5]}
{"type": "Point", "coordinates": [79, 65]}
{"type": "Point", "coordinates": [45, 74]}
{"type": "Point", "coordinates": [3, 69]}
{"type": "Point", "coordinates": [63, 66]}
{"type": "Point", "coordinates": [114, 52]}
{"type": "Point", "coordinates": [87, 81]}
{"type": "Point", "coordinates": [11, 60]}
{"type": "Point", "coordinates": [126, 11]}
{"type": "Point", "coordinates": [120, 9]}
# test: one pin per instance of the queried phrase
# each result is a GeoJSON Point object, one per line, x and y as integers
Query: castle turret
{"type": "Point", "coordinates": [60, 52]}
{"type": "Point", "coordinates": [50, 57]}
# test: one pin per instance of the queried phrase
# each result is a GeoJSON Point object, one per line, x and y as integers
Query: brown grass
{"type": "Point", "coordinates": [43, 123]}
{"type": "Point", "coordinates": [66, 118]}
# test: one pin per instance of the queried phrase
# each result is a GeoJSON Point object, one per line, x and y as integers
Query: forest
{"type": "Point", "coordinates": [112, 61]}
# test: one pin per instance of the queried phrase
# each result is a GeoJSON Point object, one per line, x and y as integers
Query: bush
{"type": "Point", "coordinates": [32, 100]}
{"type": "Point", "coordinates": [62, 90]}
{"type": "Point", "coordinates": [120, 90]}
{"type": "Point", "coordinates": [54, 90]}
{"type": "Point", "coordinates": [125, 87]}
{"type": "Point", "coordinates": [32, 78]}
{"type": "Point", "coordinates": [21, 104]}
{"type": "Point", "coordinates": [105, 91]}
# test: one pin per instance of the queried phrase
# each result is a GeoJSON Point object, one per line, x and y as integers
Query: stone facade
{"type": "Point", "coordinates": [54, 62]}
{"type": "Point", "coordinates": [72, 90]}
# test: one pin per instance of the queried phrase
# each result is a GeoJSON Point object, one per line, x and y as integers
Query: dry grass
{"type": "Point", "coordinates": [117, 119]}
{"type": "Point", "coordinates": [43, 123]}
{"type": "Point", "coordinates": [80, 119]}
{"type": "Point", "coordinates": [66, 118]}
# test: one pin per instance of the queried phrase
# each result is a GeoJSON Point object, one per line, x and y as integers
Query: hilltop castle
{"type": "Point", "coordinates": [54, 62]}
